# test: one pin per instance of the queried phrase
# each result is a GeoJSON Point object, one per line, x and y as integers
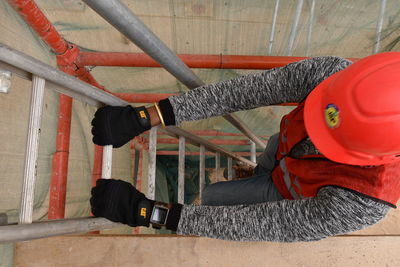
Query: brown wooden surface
{"type": "Point", "coordinates": [194, 251]}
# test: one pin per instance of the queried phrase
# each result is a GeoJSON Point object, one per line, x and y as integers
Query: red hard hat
{"type": "Point", "coordinates": [353, 116]}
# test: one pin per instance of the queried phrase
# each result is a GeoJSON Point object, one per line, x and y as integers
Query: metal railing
{"type": "Point", "coordinates": [45, 76]}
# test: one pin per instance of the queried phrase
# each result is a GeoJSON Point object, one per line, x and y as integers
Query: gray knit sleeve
{"type": "Point", "coordinates": [333, 211]}
{"type": "Point", "coordinates": [291, 83]}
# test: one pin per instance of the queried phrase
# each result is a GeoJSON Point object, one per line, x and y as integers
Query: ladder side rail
{"type": "Point", "coordinates": [106, 167]}
{"type": "Point", "coordinates": [32, 148]}
{"type": "Point", "coordinates": [151, 183]}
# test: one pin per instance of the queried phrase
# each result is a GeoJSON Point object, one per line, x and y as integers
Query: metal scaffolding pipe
{"type": "Point", "coordinates": [31, 13]}
{"type": "Point", "coordinates": [191, 153]}
{"type": "Point", "coordinates": [235, 121]}
{"type": "Point", "coordinates": [59, 168]}
{"type": "Point", "coordinates": [22, 232]}
{"type": "Point", "coordinates": [107, 162]}
{"type": "Point", "coordinates": [253, 152]}
{"type": "Point", "coordinates": [295, 24]}
{"type": "Point", "coordinates": [379, 25]}
{"type": "Point", "coordinates": [273, 26]}
{"type": "Point", "coordinates": [121, 17]}
{"type": "Point", "coordinates": [219, 133]}
{"type": "Point", "coordinates": [122, 59]}
{"type": "Point", "coordinates": [310, 27]}
{"type": "Point", "coordinates": [24, 65]}
{"type": "Point", "coordinates": [214, 141]}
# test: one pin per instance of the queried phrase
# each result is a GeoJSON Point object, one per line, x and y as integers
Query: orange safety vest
{"type": "Point", "coordinates": [297, 178]}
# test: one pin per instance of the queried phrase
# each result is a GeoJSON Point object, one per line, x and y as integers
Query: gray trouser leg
{"type": "Point", "coordinates": [256, 189]}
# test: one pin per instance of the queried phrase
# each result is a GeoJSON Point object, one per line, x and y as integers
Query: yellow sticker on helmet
{"type": "Point", "coordinates": [332, 117]}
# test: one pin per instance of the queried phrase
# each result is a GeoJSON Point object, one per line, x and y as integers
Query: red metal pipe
{"type": "Point", "coordinates": [193, 61]}
{"type": "Point", "coordinates": [142, 98]}
{"type": "Point", "coordinates": [175, 153]}
{"type": "Point", "coordinates": [214, 141]}
{"type": "Point", "coordinates": [219, 133]}
{"type": "Point", "coordinates": [58, 185]}
{"type": "Point", "coordinates": [31, 13]}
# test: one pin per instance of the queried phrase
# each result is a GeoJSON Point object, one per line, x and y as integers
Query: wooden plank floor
{"type": "Point", "coordinates": [193, 251]}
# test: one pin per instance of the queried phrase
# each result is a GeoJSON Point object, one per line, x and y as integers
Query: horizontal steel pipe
{"type": "Point", "coordinates": [121, 59]}
{"type": "Point", "coordinates": [214, 141]}
{"type": "Point", "coordinates": [21, 232]}
{"type": "Point", "coordinates": [194, 153]}
{"type": "Point", "coordinates": [192, 61]}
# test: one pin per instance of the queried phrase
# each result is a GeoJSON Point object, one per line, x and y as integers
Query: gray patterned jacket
{"type": "Point", "coordinates": [333, 211]}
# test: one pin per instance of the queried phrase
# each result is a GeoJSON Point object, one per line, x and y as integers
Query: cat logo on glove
{"type": "Point", "coordinates": [143, 212]}
{"type": "Point", "coordinates": [142, 114]}
{"type": "Point", "coordinates": [332, 116]}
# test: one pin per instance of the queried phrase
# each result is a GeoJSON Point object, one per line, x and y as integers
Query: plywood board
{"type": "Point", "coordinates": [193, 251]}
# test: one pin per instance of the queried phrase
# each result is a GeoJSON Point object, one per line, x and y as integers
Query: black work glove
{"type": "Point", "coordinates": [118, 201]}
{"type": "Point", "coordinates": [117, 125]}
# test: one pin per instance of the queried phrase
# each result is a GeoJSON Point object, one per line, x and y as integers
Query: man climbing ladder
{"type": "Point", "coordinates": [332, 169]}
